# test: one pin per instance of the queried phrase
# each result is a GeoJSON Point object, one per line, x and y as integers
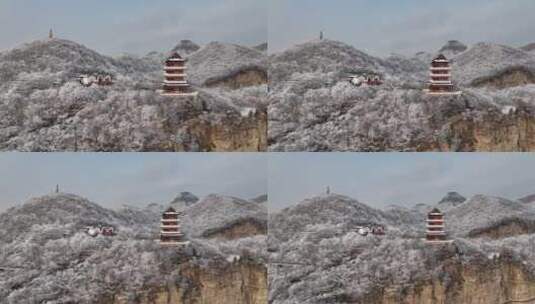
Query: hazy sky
{"type": "Point", "coordinates": [113, 179]}
{"type": "Point", "coordinates": [134, 26]}
{"type": "Point", "coordinates": [381, 179]}
{"type": "Point", "coordinates": [381, 27]}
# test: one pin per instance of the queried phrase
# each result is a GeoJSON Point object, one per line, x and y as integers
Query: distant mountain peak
{"type": "Point", "coordinates": [453, 198]}
{"type": "Point", "coordinates": [184, 200]}
{"type": "Point", "coordinates": [263, 47]}
{"type": "Point", "coordinates": [260, 199]}
{"type": "Point", "coordinates": [453, 47]}
{"type": "Point", "coordinates": [529, 47]}
{"type": "Point", "coordinates": [528, 199]}
{"type": "Point", "coordinates": [185, 47]}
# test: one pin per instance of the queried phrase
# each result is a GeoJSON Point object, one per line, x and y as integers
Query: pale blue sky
{"type": "Point", "coordinates": [382, 179]}
{"type": "Point", "coordinates": [381, 27]}
{"type": "Point", "coordinates": [113, 179]}
{"type": "Point", "coordinates": [134, 26]}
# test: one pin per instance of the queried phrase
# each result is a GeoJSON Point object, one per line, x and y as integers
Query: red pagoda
{"type": "Point", "coordinates": [175, 83]}
{"type": "Point", "coordinates": [435, 226]}
{"type": "Point", "coordinates": [170, 228]}
{"type": "Point", "coordinates": [440, 73]}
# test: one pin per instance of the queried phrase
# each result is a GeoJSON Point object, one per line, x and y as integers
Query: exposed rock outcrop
{"type": "Point", "coordinates": [241, 283]}
{"type": "Point", "coordinates": [500, 283]}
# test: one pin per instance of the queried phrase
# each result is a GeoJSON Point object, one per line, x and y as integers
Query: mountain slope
{"type": "Point", "coordinates": [225, 217]}
{"type": "Point", "coordinates": [314, 243]}
{"type": "Point", "coordinates": [327, 209]}
{"type": "Point", "coordinates": [186, 47]}
{"type": "Point", "coordinates": [44, 108]}
{"type": "Point", "coordinates": [227, 65]}
{"type": "Point", "coordinates": [485, 60]}
{"type": "Point", "coordinates": [46, 257]}
{"type": "Point", "coordinates": [490, 216]}
{"type": "Point", "coordinates": [451, 200]}
{"type": "Point", "coordinates": [313, 107]}
{"type": "Point", "coordinates": [183, 201]}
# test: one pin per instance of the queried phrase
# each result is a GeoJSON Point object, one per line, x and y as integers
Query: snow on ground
{"type": "Point", "coordinates": [46, 256]}
{"type": "Point", "coordinates": [317, 256]}
{"type": "Point", "coordinates": [313, 107]}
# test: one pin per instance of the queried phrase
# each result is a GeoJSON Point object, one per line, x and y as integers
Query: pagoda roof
{"type": "Point", "coordinates": [175, 55]}
{"type": "Point", "coordinates": [440, 57]}
{"type": "Point", "coordinates": [170, 209]}
{"type": "Point", "coordinates": [435, 210]}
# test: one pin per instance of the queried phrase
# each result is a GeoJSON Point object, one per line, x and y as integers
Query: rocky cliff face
{"type": "Point", "coordinates": [492, 131]}
{"type": "Point", "coordinates": [500, 283]}
{"type": "Point", "coordinates": [240, 283]}
{"type": "Point", "coordinates": [230, 133]}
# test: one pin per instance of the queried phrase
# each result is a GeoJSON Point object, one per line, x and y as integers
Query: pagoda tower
{"type": "Point", "coordinates": [175, 83]}
{"type": "Point", "coordinates": [170, 228]}
{"type": "Point", "coordinates": [435, 226]}
{"type": "Point", "coordinates": [440, 73]}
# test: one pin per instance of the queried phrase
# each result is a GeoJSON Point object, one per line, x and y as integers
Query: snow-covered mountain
{"type": "Point", "coordinates": [228, 65]}
{"type": "Point", "coordinates": [227, 217]}
{"type": "Point", "coordinates": [342, 212]}
{"type": "Point", "coordinates": [451, 200]}
{"type": "Point", "coordinates": [528, 199]}
{"type": "Point", "coordinates": [528, 47]}
{"type": "Point", "coordinates": [262, 47]}
{"type": "Point", "coordinates": [313, 107]}
{"type": "Point", "coordinates": [452, 48]}
{"type": "Point", "coordinates": [46, 257]}
{"type": "Point", "coordinates": [186, 47]}
{"type": "Point", "coordinates": [261, 199]}
{"type": "Point", "coordinates": [314, 243]}
{"type": "Point", "coordinates": [490, 216]}
{"type": "Point", "coordinates": [487, 60]}
{"type": "Point", "coordinates": [183, 201]}
{"type": "Point", "coordinates": [44, 108]}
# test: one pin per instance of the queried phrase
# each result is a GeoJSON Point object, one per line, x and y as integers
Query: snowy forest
{"type": "Point", "coordinates": [317, 254]}
{"type": "Point", "coordinates": [313, 106]}
{"type": "Point", "coordinates": [46, 256]}
{"type": "Point", "coordinates": [45, 108]}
